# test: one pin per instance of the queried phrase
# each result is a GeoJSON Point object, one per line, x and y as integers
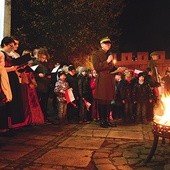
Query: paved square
{"type": "Point", "coordinates": [66, 157]}
{"type": "Point", "coordinates": [126, 135]}
{"type": "Point", "coordinates": [83, 142]}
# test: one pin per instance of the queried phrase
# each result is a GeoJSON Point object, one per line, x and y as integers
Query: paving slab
{"type": "Point", "coordinates": [106, 167]}
{"type": "Point", "coordinates": [36, 142]}
{"type": "Point", "coordinates": [66, 157]}
{"type": "Point", "coordinates": [101, 132]}
{"type": "Point", "coordinates": [84, 132]}
{"type": "Point", "coordinates": [17, 140]}
{"type": "Point", "coordinates": [127, 135]}
{"type": "Point", "coordinates": [44, 137]}
{"type": "Point", "coordinates": [41, 168]}
{"type": "Point", "coordinates": [12, 155]}
{"type": "Point", "coordinates": [130, 128]}
{"type": "Point", "coordinates": [2, 165]}
{"type": "Point", "coordinates": [92, 125]}
{"type": "Point", "coordinates": [82, 142]}
{"type": "Point", "coordinates": [17, 148]}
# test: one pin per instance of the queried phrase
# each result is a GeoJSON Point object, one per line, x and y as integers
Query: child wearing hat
{"type": "Point", "coordinates": [60, 88]}
{"type": "Point", "coordinates": [142, 97]}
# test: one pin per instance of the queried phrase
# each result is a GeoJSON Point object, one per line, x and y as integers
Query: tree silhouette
{"type": "Point", "coordinates": [66, 27]}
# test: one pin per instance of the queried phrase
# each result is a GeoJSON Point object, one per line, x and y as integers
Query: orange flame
{"type": "Point", "coordinates": [162, 111]}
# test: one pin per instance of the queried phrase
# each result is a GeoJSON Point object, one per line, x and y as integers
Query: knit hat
{"type": "Point", "coordinates": [82, 69]}
{"type": "Point", "coordinates": [71, 67]}
{"type": "Point", "coordinates": [61, 73]}
{"type": "Point", "coordinates": [141, 74]}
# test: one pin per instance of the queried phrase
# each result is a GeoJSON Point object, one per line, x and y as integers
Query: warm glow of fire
{"type": "Point", "coordinates": [162, 111]}
{"type": "Point", "coordinates": [114, 61]}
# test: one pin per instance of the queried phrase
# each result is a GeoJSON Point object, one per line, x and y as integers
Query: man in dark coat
{"type": "Point", "coordinates": [73, 107]}
{"type": "Point", "coordinates": [104, 93]}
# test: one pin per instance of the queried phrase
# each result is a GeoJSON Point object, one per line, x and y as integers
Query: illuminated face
{"type": "Point", "coordinates": [150, 73]}
{"type": "Point", "coordinates": [94, 73]}
{"type": "Point", "coordinates": [155, 57]}
{"type": "Point", "coordinates": [63, 77]}
{"type": "Point", "coordinates": [141, 78]}
{"type": "Point", "coordinates": [118, 77]}
{"type": "Point", "coordinates": [16, 45]}
{"type": "Point", "coordinates": [73, 72]}
{"type": "Point", "coordinates": [8, 48]}
{"type": "Point", "coordinates": [84, 73]}
{"type": "Point", "coordinates": [43, 58]}
{"type": "Point", "coordinates": [105, 46]}
{"type": "Point", "coordinates": [128, 78]}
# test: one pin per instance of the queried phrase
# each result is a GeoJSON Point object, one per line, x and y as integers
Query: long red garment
{"type": "Point", "coordinates": [32, 109]}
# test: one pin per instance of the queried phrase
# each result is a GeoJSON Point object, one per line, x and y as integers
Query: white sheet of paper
{"type": "Point", "coordinates": [137, 71]}
{"type": "Point", "coordinates": [54, 70]}
{"type": "Point", "coordinates": [34, 67]}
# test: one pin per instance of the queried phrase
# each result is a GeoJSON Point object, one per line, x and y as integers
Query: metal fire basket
{"type": "Point", "coordinates": [158, 130]}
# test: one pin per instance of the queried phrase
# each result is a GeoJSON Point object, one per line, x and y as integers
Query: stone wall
{"type": "Point", "coordinates": [140, 61]}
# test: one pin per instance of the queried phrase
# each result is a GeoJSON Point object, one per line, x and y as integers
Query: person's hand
{"type": "Point", "coordinates": [14, 68]}
{"type": "Point", "coordinates": [32, 86]}
{"type": "Point", "coordinates": [41, 75]}
{"type": "Point", "coordinates": [121, 69]}
{"type": "Point", "coordinates": [123, 101]}
{"type": "Point", "coordinates": [109, 59]}
{"type": "Point", "coordinates": [150, 100]}
{"type": "Point", "coordinates": [62, 91]}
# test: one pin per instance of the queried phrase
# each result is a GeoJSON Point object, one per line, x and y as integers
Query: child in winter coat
{"type": "Point", "coordinates": [60, 88]}
{"type": "Point", "coordinates": [142, 97]}
{"type": "Point", "coordinates": [128, 98]}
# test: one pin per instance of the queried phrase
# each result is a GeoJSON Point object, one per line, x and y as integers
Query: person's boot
{"type": "Point", "coordinates": [103, 124]}
{"type": "Point", "coordinates": [111, 124]}
{"type": "Point", "coordinates": [107, 118]}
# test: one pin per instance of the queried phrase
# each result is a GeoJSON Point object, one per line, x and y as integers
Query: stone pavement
{"type": "Point", "coordinates": [82, 146]}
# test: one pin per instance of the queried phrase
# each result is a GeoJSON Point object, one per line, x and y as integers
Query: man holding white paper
{"type": "Point", "coordinates": [43, 79]}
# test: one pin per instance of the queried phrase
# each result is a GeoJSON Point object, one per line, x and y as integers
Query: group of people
{"type": "Point", "coordinates": [131, 98]}
{"type": "Point", "coordinates": [23, 92]}
{"type": "Point", "coordinates": [79, 95]}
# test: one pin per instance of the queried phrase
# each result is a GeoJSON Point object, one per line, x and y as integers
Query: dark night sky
{"type": "Point", "coordinates": [146, 25]}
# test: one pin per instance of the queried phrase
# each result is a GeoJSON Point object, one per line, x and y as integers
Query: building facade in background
{"type": "Point", "coordinates": [140, 60]}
